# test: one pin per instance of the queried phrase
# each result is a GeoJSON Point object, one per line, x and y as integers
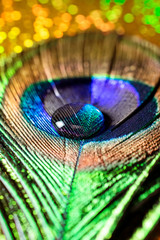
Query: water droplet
{"type": "Point", "coordinates": [78, 120]}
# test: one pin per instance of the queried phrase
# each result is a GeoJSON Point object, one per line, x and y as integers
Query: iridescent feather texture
{"type": "Point", "coordinates": [80, 140]}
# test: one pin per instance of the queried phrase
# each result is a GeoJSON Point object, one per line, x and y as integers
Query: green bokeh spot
{"type": "Point", "coordinates": [157, 11]}
{"type": "Point", "coordinates": [129, 18]}
{"type": "Point", "coordinates": [119, 1]}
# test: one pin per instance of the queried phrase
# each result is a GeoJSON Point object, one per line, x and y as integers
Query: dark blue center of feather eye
{"type": "Point", "coordinates": [78, 120]}
{"type": "Point", "coordinates": [112, 99]}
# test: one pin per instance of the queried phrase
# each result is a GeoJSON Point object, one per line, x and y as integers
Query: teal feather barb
{"type": "Point", "coordinates": [104, 186]}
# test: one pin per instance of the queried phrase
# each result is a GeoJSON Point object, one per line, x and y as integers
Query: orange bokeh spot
{"type": "Point", "coordinates": [2, 22]}
{"type": "Point", "coordinates": [38, 10]}
{"type": "Point", "coordinates": [63, 27]}
{"type": "Point", "coordinates": [79, 18]}
{"type": "Point", "coordinates": [66, 17]}
{"type": "Point", "coordinates": [58, 34]}
{"type": "Point", "coordinates": [48, 22]}
{"type": "Point", "coordinates": [37, 37]}
{"type": "Point", "coordinates": [7, 16]}
{"type": "Point", "coordinates": [105, 27]}
{"type": "Point", "coordinates": [16, 15]}
{"type": "Point", "coordinates": [7, 3]}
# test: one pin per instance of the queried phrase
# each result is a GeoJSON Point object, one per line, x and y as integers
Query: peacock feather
{"type": "Point", "coordinates": [80, 140]}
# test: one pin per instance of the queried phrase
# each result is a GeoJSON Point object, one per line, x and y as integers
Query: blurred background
{"type": "Point", "coordinates": [25, 22]}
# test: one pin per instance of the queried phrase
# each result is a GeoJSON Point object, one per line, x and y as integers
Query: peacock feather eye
{"type": "Point", "coordinates": [80, 139]}
{"type": "Point", "coordinates": [95, 104]}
